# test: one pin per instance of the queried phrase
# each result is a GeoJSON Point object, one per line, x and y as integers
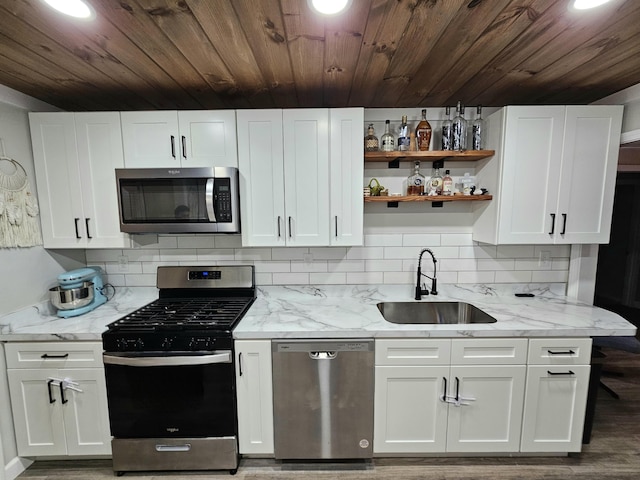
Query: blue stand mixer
{"type": "Point", "coordinates": [80, 291]}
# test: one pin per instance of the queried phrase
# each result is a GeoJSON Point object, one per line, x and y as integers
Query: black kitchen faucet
{"type": "Point", "coordinates": [425, 291]}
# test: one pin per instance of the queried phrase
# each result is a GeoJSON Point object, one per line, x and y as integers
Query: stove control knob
{"type": "Point", "coordinates": [139, 345]}
{"type": "Point", "coordinates": [121, 343]}
{"type": "Point", "coordinates": [166, 343]}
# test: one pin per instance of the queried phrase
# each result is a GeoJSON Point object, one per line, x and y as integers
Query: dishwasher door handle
{"type": "Point", "coordinates": [323, 355]}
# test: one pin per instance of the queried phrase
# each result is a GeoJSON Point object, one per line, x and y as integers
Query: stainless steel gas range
{"type": "Point", "coordinates": [170, 373]}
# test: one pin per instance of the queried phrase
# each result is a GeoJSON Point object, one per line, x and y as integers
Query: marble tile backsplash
{"type": "Point", "coordinates": [384, 259]}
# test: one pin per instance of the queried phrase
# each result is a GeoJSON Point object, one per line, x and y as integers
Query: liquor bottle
{"type": "Point", "coordinates": [435, 184]}
{"type": "Point", "coordinates": [459, 130]}
{"type": "Point", "coordinates": [388, 144]}
{"type": "Point", "coordinates": [446, 130]}
{"type": "Point", "coordinates": [477, 130]}
{"type": "Point", "coordinates": [447, 184]}
{"type": "Point", "coordinates": [415, 182]}
{"type": "Point", "coordinates": [371, 141]}
{"type": "Point", "coordinates": [423, 132]}
{"type": "Point", "coordinates": [403, 136]}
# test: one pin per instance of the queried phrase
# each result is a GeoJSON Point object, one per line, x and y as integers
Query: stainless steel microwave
{"type": "Point", "coordinates": [178, 200]}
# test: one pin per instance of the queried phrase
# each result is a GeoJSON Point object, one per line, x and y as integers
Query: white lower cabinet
{"type": "Point", "coordinates": [254, 397]}
{"type": "Point", "coordinates": [58, 398]}
{"type": "Point", "coordinates": [461, 395]}
{"type": "Point", "coordinates": [555, 402]}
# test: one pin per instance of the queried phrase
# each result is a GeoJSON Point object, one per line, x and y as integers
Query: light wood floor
{"type": "Point", "coordinates": [613, 454]}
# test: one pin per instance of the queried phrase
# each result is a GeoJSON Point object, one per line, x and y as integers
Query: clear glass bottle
{"type": "Point", "coordinates": [435, 184]}
{"type": "Point", "coordinates": [371, 141]}
{"type": "Point", "coordinates": [415, 181]}
{"type": "Point", "coordinates": [459, 130]}
{"type": "Point", "coordinates": [403, 136]}
{"type": "Point", "coordinates": [446, 130]}
{"type": "Point", "coordinates": [387, 140]}
{"type": "Point", "coordinates": [447, 184]}
{"type": "Point", "coordinates": [477, 129]}
{"type": "Point", "coordinates": [467, 183]}
{"type": "Point", "coordinates": [423, 132]}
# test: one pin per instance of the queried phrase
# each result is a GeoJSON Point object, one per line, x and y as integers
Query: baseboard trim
{"type": "Point", "coordinates": [15, 467]}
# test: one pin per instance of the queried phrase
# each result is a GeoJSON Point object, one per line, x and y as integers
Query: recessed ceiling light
{"type": "Point", "coordinates": [329, 7]}
{"type": "Point", "coordinates": [73, 8]}
{"type": "Point", "coordinates": [586, 4]}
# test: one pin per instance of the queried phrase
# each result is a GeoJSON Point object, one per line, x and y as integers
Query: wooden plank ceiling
{"type": "Point", "coordinates": [194, 54]}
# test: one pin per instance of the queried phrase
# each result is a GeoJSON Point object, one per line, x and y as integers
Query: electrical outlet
{"type": "Point", "coordinates": [545, 259]}
{"type": "Point", "coordinates": [123, 263]}
{"type": "Point", "coordinates": [307, 257]}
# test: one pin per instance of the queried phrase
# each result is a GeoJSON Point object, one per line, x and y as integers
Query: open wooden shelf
{"type": "Point", "coordinates": [428, 198]}
{"type": "Point", "coordinates": [429, 156]}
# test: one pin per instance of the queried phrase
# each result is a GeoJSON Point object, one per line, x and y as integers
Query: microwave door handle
{"type": "Point", "coordinates": [209, 197]}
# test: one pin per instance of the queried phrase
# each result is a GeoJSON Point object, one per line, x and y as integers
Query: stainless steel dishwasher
{"type": "Point", "coordinates": [323, 398]}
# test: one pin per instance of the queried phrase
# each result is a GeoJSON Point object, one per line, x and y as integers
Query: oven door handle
{"type": "Point", "coordinates": [168, 361]}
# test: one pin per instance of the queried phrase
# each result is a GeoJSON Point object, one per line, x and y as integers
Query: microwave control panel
{"type": "Point", "coordinates": [222, 195]}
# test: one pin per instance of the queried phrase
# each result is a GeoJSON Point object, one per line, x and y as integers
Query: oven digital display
{"type": "Point", "coordinates": [205, 275]}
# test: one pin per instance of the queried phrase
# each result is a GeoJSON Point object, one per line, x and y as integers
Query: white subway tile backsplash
{"type": "Point", "coordinates": [546, 276]}
{"type": "Point", "coordinates": [331, 278]}
{"type": "Point", "coordinates": [456, 239]}
{"type": "Point", "coordinates": [290, 278]}
{"type": "Point", "coordinates": [365, 253]}
{"type": "Point", "coordinates": [315, 266]}
{"type": "Point", "coordinates": [117, 280]}
{"type": "Point", "coordinates": [196, 241]}
{"type": "Point", "coordinates": [421, 240]}
{"type": "Point", "coordinates": [513, 276]}
{"type": "Point", "coordinates": [495, 264]}
{"type": "Point", "coordinates": [476, 277]}
{"type": "Point", "coordinates": [383, 240]}
{"type": "Point", "coordinates": [293, 253]}
{"type": "Point", "coordinates": [365, 278]}
{"type": "Point", "coordinates": [478, 251]}
{"type": "Point", "coordinates": [346, 265]}
{"type": "Point", "coordinates": [515, 251]}
{"type": "Point", "coordinates": [389, 258]}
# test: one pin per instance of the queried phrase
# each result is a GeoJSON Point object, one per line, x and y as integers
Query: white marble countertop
{"type": "Point", "coordinates": [350, 311]}
{"type": "Point", "coordinates": [346, 311]}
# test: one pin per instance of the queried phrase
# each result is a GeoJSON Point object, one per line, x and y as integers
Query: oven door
{"type": "Point", "coordinates": [171, 394]}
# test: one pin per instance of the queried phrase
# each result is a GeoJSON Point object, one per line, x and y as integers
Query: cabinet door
{"type": "Point", "coordinates": [588, 173]}
{"type": "Point", "coordinates": [99, 143]}
{"type": "Point", "coordinates": [38, 421]}
{"type": "Point", "coordinates": [491, 421]}
{"type": "Point", "coordinates": [409, 415]}
{"type": "Point", "coordinates": [346, 172]}
{"type": "Point", "coordinates": [306, 169]}
{"type": "Point", "coordinates": [53, 136]}
{"type": "Point", "coordinates": [86, 417]}
{"type": "Point", "coordinates": [150, 139]}
{"type": "Point", "coordinates": [532, 152]}
{"type": "Point", "coordinates": [554, 408]}
{"type": "Point", "coordinates": [255, 396]}
{"type": "Point", "coordinates": [260, 162]}
{"type": "Point", "coordinates": [208, 138]}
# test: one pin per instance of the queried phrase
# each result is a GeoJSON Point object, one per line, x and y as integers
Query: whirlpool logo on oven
{"type": "Point", "coordinates": [172, 429]}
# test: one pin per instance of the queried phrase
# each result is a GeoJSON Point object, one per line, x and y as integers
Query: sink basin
{"type": "Point", "coordinates": [433, 312]}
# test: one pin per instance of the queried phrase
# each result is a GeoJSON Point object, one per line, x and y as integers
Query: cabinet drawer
{"type": "Point", "coordinates": [413, 352]}
{"type": "Point", "coordinates": [560, 351]}
{"type": "Point", "coordinates": [489, 351]}
{"type": "Point", "coordinates": [54, 355]}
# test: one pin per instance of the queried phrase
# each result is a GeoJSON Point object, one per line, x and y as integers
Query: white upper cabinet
{"type": "Point", "coordinates": [191, 138]}
{"type": "Point", "coordinates": [285, 159]}
{"type": "Point", "coordinates": [552, 177]}
{"type": "Point", "coordinates": [75, 155]}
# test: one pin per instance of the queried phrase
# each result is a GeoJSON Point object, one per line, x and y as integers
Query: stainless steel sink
{"type": "Point", "coordinates": [433, 312]}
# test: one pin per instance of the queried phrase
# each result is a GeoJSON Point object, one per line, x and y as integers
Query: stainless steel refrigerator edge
{"type": "Point", "coordinates": [323, 398]}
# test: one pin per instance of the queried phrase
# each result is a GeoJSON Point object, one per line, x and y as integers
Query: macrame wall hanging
{"type": "Point", "coordinates": [19, 222]}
